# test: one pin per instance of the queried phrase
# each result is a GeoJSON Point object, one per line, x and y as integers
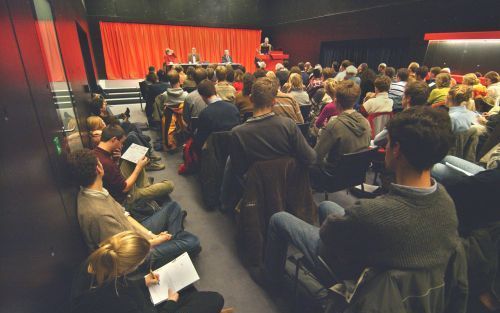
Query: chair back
{"type": "Point", "coordinates": [350, 170]}
{"type": "Point", "coordinates": [246, 116]}
{"type": "Point", "coordinates": [189, 89]}
{"type": "Point", "coordinates": [465, 145]}
{"type": "Point", "coordinates": [304, 129]}
{"type": "Point", "coordinates": [194, 124]}
{"type": "Point", "coordinates": [143, 86]}
{"type": "Point", "coordinates": [306, 111]}
{"type": "Point", "coordinates": [378, 121]}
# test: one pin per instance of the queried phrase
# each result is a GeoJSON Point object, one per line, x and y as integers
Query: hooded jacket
{"type": "Point", "coordinates": [171, 98]}
{"type": "Point", "coordinates": [346, 133]}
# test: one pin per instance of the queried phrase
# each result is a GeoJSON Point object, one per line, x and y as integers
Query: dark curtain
{"type": "Point", "coordinates": [393, 52]}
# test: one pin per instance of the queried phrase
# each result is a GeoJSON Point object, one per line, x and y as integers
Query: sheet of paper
{"type": "Point", "coordinates": [175, 275]}
{"type": "Point", "coordinates": [458, 169]}
{"type": "Point", "coordinates": [134, 153]}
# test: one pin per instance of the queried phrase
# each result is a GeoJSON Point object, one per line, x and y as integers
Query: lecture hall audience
{"type": "Point", "coordinates": [414, 225]}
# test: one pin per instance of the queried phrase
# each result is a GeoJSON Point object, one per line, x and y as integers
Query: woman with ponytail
{"type": "Point", "coordinates": [102, 286]}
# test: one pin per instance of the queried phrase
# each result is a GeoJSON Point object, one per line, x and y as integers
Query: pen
{"type": "Point", "coordinates": [153, 275]}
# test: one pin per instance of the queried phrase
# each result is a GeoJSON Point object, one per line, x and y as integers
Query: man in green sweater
{"type": "Point", "coordinates": [414, 226]}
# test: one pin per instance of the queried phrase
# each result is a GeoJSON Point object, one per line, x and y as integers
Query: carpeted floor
{"type": "Point", "coordinates": [218, 264]}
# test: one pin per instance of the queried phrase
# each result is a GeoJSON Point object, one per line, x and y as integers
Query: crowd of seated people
{"type": "Point", "coordinates": [415, 225]}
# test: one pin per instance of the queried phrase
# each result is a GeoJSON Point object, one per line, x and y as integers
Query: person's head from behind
{"type": "Point", "coordinates": [151, 69]}
{"type": "Point", "coordinates": [178, 68]}
{"type": "Point", "coordinates": [412, 67]}
{"type": "Point", "coordinates": [491, 78]}
{"type": "Point", "coordinates": [381, 68]}
{"type": "Point", "coordinates": [95, 123]}
{"type": "Point", "coordinates": [112, 137]}
{"type": "Point", "coordinates": [316, 73]}
{"type": "Point", "coordinates": [390, 72]}
{"type": "Point", "coordinates": [190, 72]}
{"type": "Point", "coordinates": [301, 66]}
{"type": "Point", "coordinates": [230, 75]}
{"type": "Point", "coordinates": [382, 84]}
{"type": "Point", "coordinates": [174, 78]}
{"type": "Point", "coordinates": [402, 75]}
{"type": "Point", "coordinates": [443, 80]}
{"type": "Point", "coordinates": [152, 78]}
{"type": "Point", "coordinates": [238, 75]}
{"type": "Point", "coordinates": [210, 73]}
{"type": "Point", "coordinates": [459, 95]}
{"type": "Point", "coordinates": [264, 90]}
{"type": "Point", "coordinates": [350, 71]}
{"type": "Point", "coordinates": [162, 76]}
{"type": "Point", "coordinates": [83, 167]}
{"type": "Point", "coordinates": [248, 80]}
{"type": "Point", "coordinates": [220, 73]}
{"type": "Point", "coordinates": [327, 73]}
{"type": "Point", "coordinates": [295, 82]}
{"type": "Point", "coordinates": [421, 73]}
{"type": "Point", "coordinates": [330, 85]}
{"type": "Point", "coordinates": [259, 73]}
{"type": "Point", "coordinates": [117, 256]}
{"type": "Point", "coordinates": [362, 67]}
{"type": "Point", "coordinates": [295, 69]}
{"type": "Point", "coordinates": [346, 94]}
{"type": "Point", "coordinates": [435, 71]}
{"type": "Point", "coordinates": [344, 65]}
{"type": "Point", "coordinates": [419, 137]}
{"type": "Point", "coordinates": [199, 75]}
{"type": "Point", "coordinates": [470, 79]}
{"type": "Point", "coordinates": [206, 89]}
{"type": "Point", "coordinates": [98, 106]}
{"type": "Point", "coordinates": [416, 93]}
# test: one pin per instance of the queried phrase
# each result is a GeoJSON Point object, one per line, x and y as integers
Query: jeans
{"type": "Point", "coordinates": [446, 174]}
{"type": "Point", "coordinates": [169, 218]}
{"type": "Point", "coordinates": [284, 229]}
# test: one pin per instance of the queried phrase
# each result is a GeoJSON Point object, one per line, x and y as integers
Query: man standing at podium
{"type": "Point", "coordinates": [265, 47]}
{"type": "Point", "coordinates": [193, 57]}
{"type": "Point", "coordinates": [226, 58]}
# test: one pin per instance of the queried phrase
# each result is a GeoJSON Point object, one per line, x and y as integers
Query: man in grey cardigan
{"type": "Point", "coordinates": [414, 226]}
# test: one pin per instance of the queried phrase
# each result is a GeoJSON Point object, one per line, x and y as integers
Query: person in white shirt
{"type": "Point", "coordinates": [379, 101]}
{"type": "Point", "coordinates": [341, 74]}
{"type": "Point", "coordinates": [397, 89]}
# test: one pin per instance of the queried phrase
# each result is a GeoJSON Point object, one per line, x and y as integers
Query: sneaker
{"type": "Point", "coordinates": [154, 157]}
{"type": "Point", "coordinates": [155, 166]}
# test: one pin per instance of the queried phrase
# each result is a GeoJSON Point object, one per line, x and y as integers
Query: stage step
{"type": "Point", "coordinates": [130, 95]}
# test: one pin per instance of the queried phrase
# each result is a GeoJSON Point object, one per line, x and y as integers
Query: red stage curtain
{"type": "Point", "coordinates": [129, 48]}
{"type": "Point", "coordinates": [50, 50]}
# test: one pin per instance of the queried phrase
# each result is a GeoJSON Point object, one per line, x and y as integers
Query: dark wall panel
{"type": "Point", "coordinates": [407, 19]}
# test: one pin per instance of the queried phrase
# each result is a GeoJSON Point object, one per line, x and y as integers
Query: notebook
{"type": "Point", "coordinates": [134, 153]}
{"type": "Point", "coordinates": [175, 275]}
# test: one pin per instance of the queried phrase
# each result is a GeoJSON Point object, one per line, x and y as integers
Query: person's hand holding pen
{"type": "Point", "coordinates": [152, 279]}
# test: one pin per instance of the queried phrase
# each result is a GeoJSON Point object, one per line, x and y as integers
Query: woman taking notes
{"type": "Point", "coordinates": [102, 284]}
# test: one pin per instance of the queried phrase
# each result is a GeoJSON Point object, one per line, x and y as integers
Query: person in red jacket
{"type": "Point", "coordinates": [170, 57]}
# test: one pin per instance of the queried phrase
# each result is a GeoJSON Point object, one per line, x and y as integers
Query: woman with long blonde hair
{"type": "Point", "coordinates": [102, 285]}
{"type": "Point", "coordinates": [297, 89]}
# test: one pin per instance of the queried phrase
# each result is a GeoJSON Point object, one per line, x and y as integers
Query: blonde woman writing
{"type": "Point", "coordinates": [102, 286]}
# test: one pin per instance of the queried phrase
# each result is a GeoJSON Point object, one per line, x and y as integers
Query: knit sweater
{"type": "Point", "coordinates": [400, 230]}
